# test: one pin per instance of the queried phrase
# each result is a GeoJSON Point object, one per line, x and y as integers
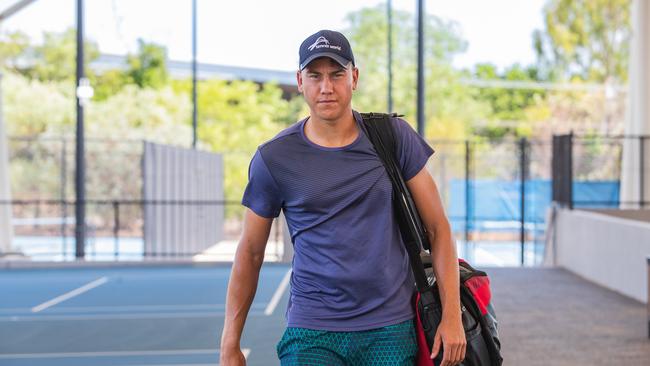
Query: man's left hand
{"type": "Point", "coordinates": [450, 336]}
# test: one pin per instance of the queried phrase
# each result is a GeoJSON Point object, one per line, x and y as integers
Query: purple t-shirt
{"type": "Point", "coordinates": [350, 269]}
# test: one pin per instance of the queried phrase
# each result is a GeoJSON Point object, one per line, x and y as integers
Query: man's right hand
{"type": "Point", "coordinates": [242, 285]}
{"type": "Point", "coordinates": [232, 357]}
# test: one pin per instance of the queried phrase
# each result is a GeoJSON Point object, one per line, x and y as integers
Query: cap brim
{"type": "Point", "coordinates": [340, 60]}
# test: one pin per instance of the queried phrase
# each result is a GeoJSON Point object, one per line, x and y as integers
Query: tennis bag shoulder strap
{"type": "Point", "coordinates": [483, 347]}
{"type": "Point", "coordinates": [377, 126]}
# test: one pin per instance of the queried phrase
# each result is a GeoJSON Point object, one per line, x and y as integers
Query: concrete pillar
{"type": "Point", "coordinates": [6, 230]}
{"type": "Point", "coordinates": [637, 120]}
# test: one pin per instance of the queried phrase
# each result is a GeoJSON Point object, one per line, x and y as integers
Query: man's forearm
{"type": "Point", "coordinates": [241, 291]}
{"type": "Point", "coordinates": [445, 266]}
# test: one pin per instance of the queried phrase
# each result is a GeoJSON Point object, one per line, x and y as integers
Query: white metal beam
{"type": "Point", "coordinates": [541, 85]}
{"type": "Point", "coordinates": [637, 120]}
{"type": "Point", "coordinates": [13, 9]}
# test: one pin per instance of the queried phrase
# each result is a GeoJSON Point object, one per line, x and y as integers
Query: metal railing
{"type": "Point", "coordinates": [593, 159]}
{"type": "Point", "coordinates": [472, 176]}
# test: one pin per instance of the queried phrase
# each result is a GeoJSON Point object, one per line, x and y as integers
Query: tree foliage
{"type": "Point", "coordinates": [108, 83]}
{"type": "Point", "coordinates": [509, 106]}
{"type": "Point", "coordinates": [148, 68]}
{"type": "Point", "coordinates": [450, 110]}
{"type": "Point", "coordinates": [585, 39]}
{"type": "Point", "coordinates": [55, 58]}
{"type": "Point", "coordinates": [32, 107]}
{"type": "Point", "coordinates": [12, 47]}
{"type": "Point", "coordinates": [234, 118]}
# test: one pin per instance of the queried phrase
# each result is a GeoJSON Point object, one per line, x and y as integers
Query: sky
{"type": "Point", "coordinates": [266, 34]}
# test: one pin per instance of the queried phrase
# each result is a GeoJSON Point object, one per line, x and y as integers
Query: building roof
{"type": "Point", "coordinates": [183, 69]}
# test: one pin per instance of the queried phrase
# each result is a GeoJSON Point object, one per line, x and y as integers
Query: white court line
{"type": "Point", "coordinates": [44, 318]}
{"type": "Point", "coordinates": [245, 351]}
{"type": "Point", "coordinates": [278, 294]}
{"type": "Point", "coordinates": [71, 294]}
{"type": "Point", "coordinates": [126, 308]}
{"type": "Point", "coordinates": [179, 364]}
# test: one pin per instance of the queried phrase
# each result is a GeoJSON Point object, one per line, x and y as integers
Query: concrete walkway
{"type": "Point", "coordinates": [553, 317]}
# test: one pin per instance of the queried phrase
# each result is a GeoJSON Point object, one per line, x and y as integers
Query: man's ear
{"type": "Point", "coordinates": [299, 80]}
{"type": "Point", "coordinates": [355, 78]}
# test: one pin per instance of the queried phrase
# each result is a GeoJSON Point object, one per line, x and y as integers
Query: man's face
{"type": "Point", "coordinates": [327, 88]}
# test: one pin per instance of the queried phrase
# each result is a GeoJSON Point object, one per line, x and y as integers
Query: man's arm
{"type": "Point", "coordinates": [243, 284]}
{"type": "Point", "coordinates": [445, 266]}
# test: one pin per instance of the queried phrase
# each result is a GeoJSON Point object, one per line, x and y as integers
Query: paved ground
{"type": "Point", "coordinates": [553, 317]}
{"type": "Point", "coordinates": [174, 316]}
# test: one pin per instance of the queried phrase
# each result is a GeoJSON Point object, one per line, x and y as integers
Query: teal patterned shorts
{"type": "Point", "coordinates": [391, 345]}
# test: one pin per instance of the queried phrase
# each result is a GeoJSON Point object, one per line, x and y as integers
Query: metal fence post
{"type": "Point", "coordinates": [570, 170]}
{"type": "Point", "coordinates": [64, 204]}
{"type": "Point", "coordinates": [116, 228]}
{"type": "Point", "coordinates": [80, 166]}
{"type": "Point", "coordinates": [145, 250]}
{"type": "Point", "coordinates": [522, 181]}
{"type": "Point", "coordinates": [562, 170]}
{"type": "Point", "coordinates": [648, 306]}
{"type": "Point", "coordinates": [642, 170]}
{"type": "Point", "coordinates": [6, 208]}
{"type": "Point", "coordinates": [467, 196]}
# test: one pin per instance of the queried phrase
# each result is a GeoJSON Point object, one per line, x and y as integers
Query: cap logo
{"type": "Point", "coordinates": [323, 42]}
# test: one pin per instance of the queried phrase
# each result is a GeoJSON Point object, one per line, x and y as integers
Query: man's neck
{"type": "Point", "coordinates": [336, 133]}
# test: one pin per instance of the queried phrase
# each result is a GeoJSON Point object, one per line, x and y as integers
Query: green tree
{"type": "Point", "coordinates": [234, 118]}
{"type": "Point", "coordinates": [32, 107]}
{"type": "Point", "coordinates": [585, 39]}
{"type": "Point", "coordinates": [509, 106]}
{"type": "Point", "coordinates": [148, 68]}
{"type": "Point", "coordinates": [55, 58]}
{"type": "Point", "coordinates": [108, 83]}
{"type": "Point", "coordinates": [450, 110]}
{"type": "Point", "coordinates": [12, 46]}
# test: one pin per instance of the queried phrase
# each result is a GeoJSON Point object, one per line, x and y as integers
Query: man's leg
{"type": "Point", "coordinates": [300, 346]}
{"type": "Point", "coordinates": [391, 345]}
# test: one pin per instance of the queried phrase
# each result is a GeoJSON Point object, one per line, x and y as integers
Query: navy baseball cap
{"type": "Point", "coordinates": [326, 43]}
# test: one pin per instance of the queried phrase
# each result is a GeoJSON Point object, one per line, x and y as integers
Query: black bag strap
{"type": "Point", "coordinates": [378, 127]}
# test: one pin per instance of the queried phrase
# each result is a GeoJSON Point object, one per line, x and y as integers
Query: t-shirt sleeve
{"type": "Point", "coordinates": [412, 150]}
{"type": "Point", "coordinates": [262, 194]}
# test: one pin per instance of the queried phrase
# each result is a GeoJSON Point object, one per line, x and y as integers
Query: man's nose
{"type": "Point", "coordinates": [326, 85]}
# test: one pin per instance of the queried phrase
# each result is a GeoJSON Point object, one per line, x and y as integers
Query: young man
{"type": "Point", "coordinates": [351, 284]}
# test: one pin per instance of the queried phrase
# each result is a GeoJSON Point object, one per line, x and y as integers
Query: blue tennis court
{"type": "Point", "coordinates": [132, 315]}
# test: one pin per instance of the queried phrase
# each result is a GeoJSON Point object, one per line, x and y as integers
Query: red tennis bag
{"type": "Point", "coordinates": [479, 320]}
